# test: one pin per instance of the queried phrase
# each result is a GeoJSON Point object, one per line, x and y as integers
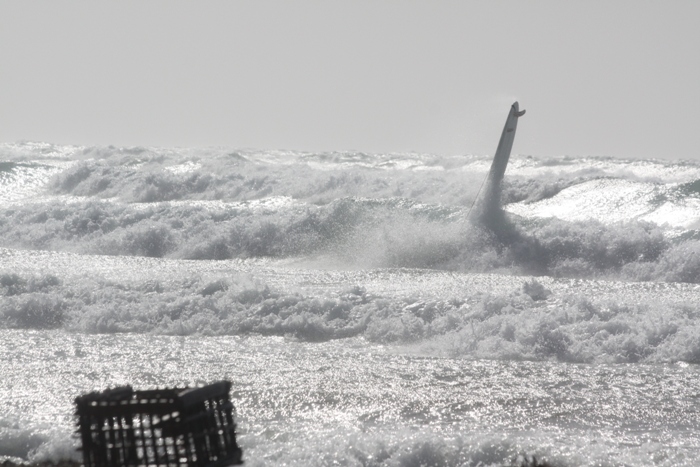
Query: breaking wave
{"type": "Point", "coordinates": [530, 322]}
{"type": "Point", "coordinates": [392, 232]}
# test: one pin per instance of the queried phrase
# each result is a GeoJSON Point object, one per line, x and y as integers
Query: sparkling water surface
{"type": "Point", "coordinates": [292, 397]}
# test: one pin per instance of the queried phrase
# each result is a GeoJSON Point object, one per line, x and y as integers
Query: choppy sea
{"type": "Point", "coordinates": [363, 313]}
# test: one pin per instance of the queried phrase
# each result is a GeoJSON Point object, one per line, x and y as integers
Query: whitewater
{"type": "Point", "coordinates": [363, 314]}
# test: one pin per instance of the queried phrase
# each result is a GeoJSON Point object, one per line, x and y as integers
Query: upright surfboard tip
{"type": "Point", "coordinates": [491, 205]}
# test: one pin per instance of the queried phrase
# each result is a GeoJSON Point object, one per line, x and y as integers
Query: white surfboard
{"type": "Point", "coordinates": [492, 194]}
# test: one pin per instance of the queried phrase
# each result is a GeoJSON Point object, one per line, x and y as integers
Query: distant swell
{"type": "Point", "coordinates": [233, 177]}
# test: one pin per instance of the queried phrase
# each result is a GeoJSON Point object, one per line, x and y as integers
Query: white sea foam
{"type": "Point", "coordinates": [449, 314]}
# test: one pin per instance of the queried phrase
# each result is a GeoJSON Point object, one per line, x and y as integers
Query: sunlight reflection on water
{"type": "Point", "coordinates": [287, 391]}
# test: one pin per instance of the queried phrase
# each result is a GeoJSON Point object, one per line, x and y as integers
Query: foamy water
{"type": "Point", "coordinates": [362, 313]}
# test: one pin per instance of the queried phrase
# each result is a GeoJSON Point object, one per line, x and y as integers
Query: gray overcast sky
{"type": "Point", "coordinates": [616, 78]}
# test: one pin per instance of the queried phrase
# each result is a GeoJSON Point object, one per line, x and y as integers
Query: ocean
{"type": "Point", "coordinates": [363, 312]}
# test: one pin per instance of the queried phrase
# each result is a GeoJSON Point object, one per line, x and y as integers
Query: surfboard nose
{"type": "Point", "coordinates": [516, 110]}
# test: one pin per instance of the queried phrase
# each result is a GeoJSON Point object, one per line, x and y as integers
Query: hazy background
{"type": "Point", "coordinates": [618, 78]}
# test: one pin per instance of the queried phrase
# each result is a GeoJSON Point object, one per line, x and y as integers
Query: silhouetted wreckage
{"type": "Point", "coordinates": [175, 427]}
